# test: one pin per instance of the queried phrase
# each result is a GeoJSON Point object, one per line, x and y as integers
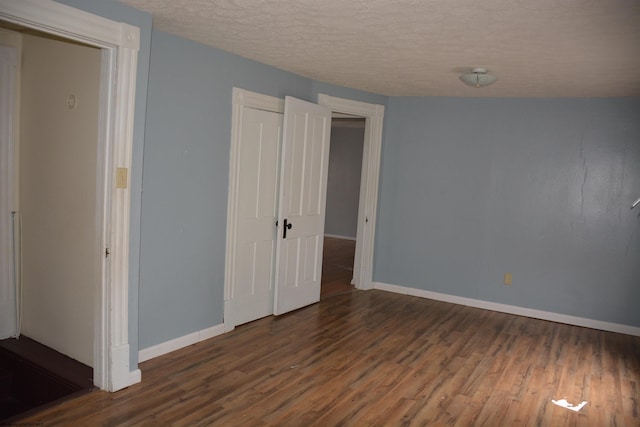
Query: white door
{"type": "Point", "coordinates": [8, 63]}
{"type": "Point", "coordinates": [256, 214]}
{"type": "Point", "coordinates": [303, 185]}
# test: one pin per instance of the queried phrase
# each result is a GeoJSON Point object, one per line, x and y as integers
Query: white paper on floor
{"type": "Point", "coordinates": [565, 404]}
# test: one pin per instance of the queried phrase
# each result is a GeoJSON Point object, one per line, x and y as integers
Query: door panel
{"type": "Point", "coordinates": [305, 158]}
{"type": "Point", "coordinates": [318, 163]}
{"type": "Point", "coordinates": [254, 261]}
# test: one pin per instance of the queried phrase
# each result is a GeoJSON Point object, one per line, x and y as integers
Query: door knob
{"type": "Point", "coordinates": [287, 226]}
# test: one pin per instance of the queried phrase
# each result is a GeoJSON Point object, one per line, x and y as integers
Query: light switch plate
{"type": "Point", "coordinates": [508, 279]}
{"type": "Point", "coordinates": [121, 178]}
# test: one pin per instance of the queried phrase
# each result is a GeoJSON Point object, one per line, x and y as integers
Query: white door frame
{"type": "Point", "coordinates": [367, 206]}
{"type": "Point", "coordinates": [241, 99]}
{"type": "Point", "coordinates": [7, 189]}
{"type": "Point", "coordinates": [119, 43]}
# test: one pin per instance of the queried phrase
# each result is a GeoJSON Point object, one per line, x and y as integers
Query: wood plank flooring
{"type": "Point", "coordinates": [337, 266]}
{"type": "Point", "coordinates": [377, 358]}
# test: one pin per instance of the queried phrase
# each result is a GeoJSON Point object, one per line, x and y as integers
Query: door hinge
{"type": "Point", "coordinates": [107, 252]}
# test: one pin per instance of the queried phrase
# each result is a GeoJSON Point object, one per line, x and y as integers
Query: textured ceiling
{"type": "Point", "coordinates": [536, 48]}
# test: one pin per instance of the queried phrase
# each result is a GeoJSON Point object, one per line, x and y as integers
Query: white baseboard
{"type": "Point", "coordinates": [135, 377]}
{"type": "Point", "coordinates": [178, 343]}
{"type": "Point", "coordinates": [337, 236]}
{"type": "Point", "coordinates": [512, 309]}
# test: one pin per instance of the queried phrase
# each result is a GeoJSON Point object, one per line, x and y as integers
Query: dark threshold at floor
{"type": "Point", "coordinates": [33, 375]}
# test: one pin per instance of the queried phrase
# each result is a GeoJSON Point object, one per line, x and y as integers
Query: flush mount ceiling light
{"type": "Point", "coordinates": [478, 78]}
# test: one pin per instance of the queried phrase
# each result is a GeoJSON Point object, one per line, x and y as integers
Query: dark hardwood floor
{"type": "Point", "coordinates": [377, 358]}
{"type": "Point", "coordinates": [337, 266]}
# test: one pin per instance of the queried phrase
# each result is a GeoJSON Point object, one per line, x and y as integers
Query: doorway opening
{"type": "Point", "coordinates": [369, 180]}
{"type": "Point", "coordinates": [55, 239]}
{"type": "Point", "coordinates": [118, 44]}
{"type": "Point", "coordinates": [343, 192]}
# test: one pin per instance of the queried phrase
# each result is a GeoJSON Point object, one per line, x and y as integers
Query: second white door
{"type": "Point", "coordinates": [303, 192]}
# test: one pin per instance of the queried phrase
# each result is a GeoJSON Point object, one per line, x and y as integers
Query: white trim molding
{"type": "Point", "coordinates": [369, 181]}
{"type": "Point", "coordinates": [135, 376]}
{"type": "Point", "coordinates": [512, 309]}
{"type": "Point", "coordinates": [8, 193]}
{"type": "Point", "coordinates": [180, 342]}
{"type": "Point", "coordinates": [119, 43]}
{"type": "Point", "coordinates": [337, 236]}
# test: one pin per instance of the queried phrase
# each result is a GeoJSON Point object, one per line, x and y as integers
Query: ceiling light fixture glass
{"type": "Point", "coordinates": [478, 78]}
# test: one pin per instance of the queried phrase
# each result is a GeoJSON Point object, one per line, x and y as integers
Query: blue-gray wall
{"type": "Point", "coordinates": [176, 265]}
{"type": "Point", "coordinates": [121, 13]}
{"type": "Point", "coordinates": [343, 182]}
{"type": "Point", "coordinates": [540, 188]}
{"type": "Point", "coordinates": [186, 167]}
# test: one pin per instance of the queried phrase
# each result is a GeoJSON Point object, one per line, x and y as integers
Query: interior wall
{"type": "Point", "coordinates": [343, 182]}
{"type": "Point", "coordinates": [540, 188]}
{"type": "Point", "coordinates": [213, 73]}
{"type": "Point", "coordinates": [186, 178]}
{"type": "Point", "coordinates": [58, 157]}
{"type": "Point", "coordinates": [186, 167]}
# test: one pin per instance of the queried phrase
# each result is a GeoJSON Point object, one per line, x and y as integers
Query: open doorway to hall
{"type": "Point", "coordinates": [51, 101]}
{"type": "Point", "coordinates": [343, 192]}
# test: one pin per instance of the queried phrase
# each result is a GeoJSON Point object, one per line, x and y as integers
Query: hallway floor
{"type": "Point", "coordinates": [337, 266]}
